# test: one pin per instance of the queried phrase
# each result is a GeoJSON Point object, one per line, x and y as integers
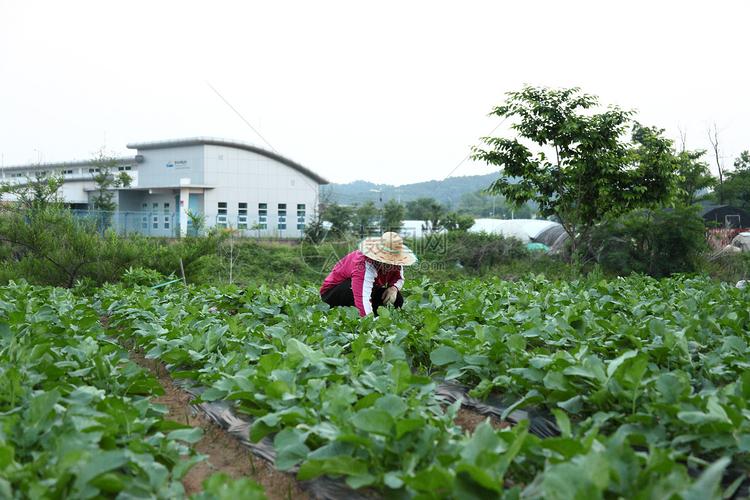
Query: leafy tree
{"type": "Point", "coordinates": [36, 193]}
{"type": "Point", "coordinates": [340, 217]}
{"type": "Point", "coordinates": [427, 210]}
{"type": "Point", "coordinates": [366, 216]}
{"type": "Point", "coordinates": [393, 216]}
{"type": "Point", "coordinates": [655, 242]}
{"type": "Point", "coordinates": [456, 222]}
{"type": "Point", "coordinates": [742, 162]}
{"type": "Point", "coordinates": [736, 187]}
{"type": "Point", "coordinates": [106, 181]}
{"type": "Point", "coordinates": [581, 169]}
{"type": "Point", "coordinates": [694, 175]}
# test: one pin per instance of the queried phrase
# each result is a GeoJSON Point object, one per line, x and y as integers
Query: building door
{"type": "Point", "coordinates": [195, 207]}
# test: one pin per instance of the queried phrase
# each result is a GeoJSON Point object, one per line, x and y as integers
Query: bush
{"type": "Point", "coordinates": [658, 243]}
{"type": "Point", "coordinates": [475, 251]}
{"type": "Point", "coordinates": [50, 246]}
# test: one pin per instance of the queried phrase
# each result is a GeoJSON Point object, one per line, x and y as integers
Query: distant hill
{"type": "Point", "coordinates": [448, 191]}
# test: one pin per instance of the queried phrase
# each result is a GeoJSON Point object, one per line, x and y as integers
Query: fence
{"type": "Point", "coordinates": [167, 224]}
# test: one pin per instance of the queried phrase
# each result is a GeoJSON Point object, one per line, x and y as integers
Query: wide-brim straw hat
{"type": "Point", "coordinates": [389, 249]}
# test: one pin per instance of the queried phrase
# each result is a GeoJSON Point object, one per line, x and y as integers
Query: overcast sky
{"type": "Point", "coordinates": [391, 92]}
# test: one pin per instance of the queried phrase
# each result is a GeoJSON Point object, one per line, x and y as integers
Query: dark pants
{"type": "Point", "coordinates": [342, 295]}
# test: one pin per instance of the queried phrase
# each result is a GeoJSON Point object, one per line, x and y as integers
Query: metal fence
{"type": "Point", "coordinates": [167, 224]}
{"type": "Point", "coordinates": [148, 223]}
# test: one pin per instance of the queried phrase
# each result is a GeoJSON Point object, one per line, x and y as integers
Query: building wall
{"type": "Point", "coordinates": [241, 176]}
{"type": "Point", "coordinates": [165, 167]}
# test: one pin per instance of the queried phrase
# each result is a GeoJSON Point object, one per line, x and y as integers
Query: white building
{"type": "Point", "coordinates": [228, 183]}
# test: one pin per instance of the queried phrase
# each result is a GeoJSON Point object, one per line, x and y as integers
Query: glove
{"type": "Point", "coordinates": [389, 296]}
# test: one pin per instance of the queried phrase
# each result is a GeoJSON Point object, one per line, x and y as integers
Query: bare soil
{"type": "Point", "coordinates": [469, 420]}
{"type": "Point", "coordinates": [225, 454]}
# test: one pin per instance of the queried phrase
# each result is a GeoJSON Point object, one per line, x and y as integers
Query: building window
{"type": "Point", "coordinates": [221, 217]}
{"type": "Point", "coordinates": [155, 220]}
{"type": "Point", "coordinates": [167, 220]}
{"type": "Point", "coordinates": [282, 216]}
{"type": "Point", "coordinates": [301, 216]}
{"type": "Point", "coordinates": [67, 172]}
{"type": "Point", "coordinates": [144, 217]}
{"type": "Point", "coordinates": [166, 207]}
{"type": "Point", "coordinates": [122, 169]}
{"type": "Point", "coordinates": [242, 215]}
{"type": "Point", "coordinates": [94, 170]}
{"type": "Point", "coordinates": [262, 216]}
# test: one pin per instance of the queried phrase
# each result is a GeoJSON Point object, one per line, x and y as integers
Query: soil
{"type": "Point", "coordinates": [469, 420]}
{"type": "Point", "coordinates": [224, 453]}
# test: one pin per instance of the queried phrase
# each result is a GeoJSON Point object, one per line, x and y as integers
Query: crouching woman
{"type": "Point", "coordinates": [371, 276]}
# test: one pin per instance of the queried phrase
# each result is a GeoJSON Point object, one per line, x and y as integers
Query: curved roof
{"type": "Point", "coordinates": [214, 141]}
{"type": "Point", "coordinates": [523, 229]}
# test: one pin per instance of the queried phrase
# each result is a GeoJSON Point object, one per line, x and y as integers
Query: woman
{"type": "Point", "coordinates": [370, 276]}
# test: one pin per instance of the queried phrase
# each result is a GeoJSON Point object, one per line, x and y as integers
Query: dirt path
{"type": "Point", "coordinates": [225, 454]}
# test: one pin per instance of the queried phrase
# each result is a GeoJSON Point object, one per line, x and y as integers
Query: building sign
{"type": "Point", "coordinates": [178, 164]}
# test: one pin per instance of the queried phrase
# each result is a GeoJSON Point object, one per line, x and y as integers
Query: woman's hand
{"type": "Point", "coordinates": [389, 296]}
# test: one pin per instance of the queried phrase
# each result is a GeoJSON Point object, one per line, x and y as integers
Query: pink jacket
{"type": "Point", "coordinates": [365, 274]}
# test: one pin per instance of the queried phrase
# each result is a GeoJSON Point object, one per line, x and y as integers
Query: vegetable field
{"type": "Point", "coordinates": [646, 381]}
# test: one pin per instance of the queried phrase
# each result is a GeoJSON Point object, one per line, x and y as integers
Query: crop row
{"type": "Point", "coordinates": [647, 380]}
{"type": "Point", "coordinates": [75, 416]}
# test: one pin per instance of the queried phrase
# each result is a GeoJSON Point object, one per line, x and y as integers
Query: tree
{"type": "Point", "coordinates": [366, 215]}
{"type": "Point", "coordinates": [38, 192]}
{"type": "Point", "coordinates": [393, 216]}
{"type": "Point", "coordinates": [106, 180]}
{"type": "Point", "coordinates": [427, 210]}
{"type": "Point", "coordinates": [713, 138]}
{"type": "Point", "coordinates": [340, 218]}
{"type": "Point", "coordinates": [693, 176]}
{"type": "Point", "coordinates": [736, 187]}
{"type": "Point", "coordinates": [456, 222]}
{"type": "Point", "coordinates": [580, 169]}
{"type": "Point", "coordinates": [742, 162]}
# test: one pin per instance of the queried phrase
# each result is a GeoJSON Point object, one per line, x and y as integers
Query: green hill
{"type": "Point", "coordinates": [447, 191]}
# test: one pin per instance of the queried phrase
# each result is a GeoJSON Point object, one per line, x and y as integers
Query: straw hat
{"type": "Point", "coordinates": [389, 249]}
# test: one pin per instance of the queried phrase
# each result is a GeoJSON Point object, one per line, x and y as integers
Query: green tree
{"type": "Point", "coordinates": [693, 175]}
{"type": "Point", "coordinates": [340, 217]}
{"type": "Point", "coordinates": [367, 216]}
{"type": "Point", "coordinates": [582, 168]}
{"type": "Point", "coordinates": [736, 187]}
{"type": "Point", "coordinates": [393, 216]}
{"type": "Point", "coordinates": [107, 180]}
{"type": "Point", "coordinates": [456, 222]}
{"type": "Point", "coordinates": [427, 210]}
{"type": "Point", "coordinates": [38, 192]}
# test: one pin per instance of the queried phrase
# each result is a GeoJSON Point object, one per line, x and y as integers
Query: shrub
{"type": "Point", "coordinates": [654, 242]}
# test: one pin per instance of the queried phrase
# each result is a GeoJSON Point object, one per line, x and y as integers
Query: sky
{"type": "Point", "coordinates": [389, 92]}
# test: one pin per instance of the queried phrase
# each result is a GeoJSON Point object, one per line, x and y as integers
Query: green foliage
{"type": "Point", "coordinates": [393, 216]}
{"type": "Point", "coordinates": [106, 180]}
{"type": "Point", "coordinates": [456, 222]}
{"type": "Point", "coordinates": [35, 194]}
{"type": "Point", "coordinates": [74, 418]}
{"type": "Point", "coordinates": [340, 218]}
{"type": "Point", "coordinates": [647, 380]}
{"type": "Point", "coordinates": [736, 187]}
{"type": "Point", "coordinates": [482, 204]}
{"type": "Point", "coordinates": [51, 246]}
{"type": "Point", "coordinates": [474, 251]}
{"type": "Point", "coordinates": [366, 219]}
{"type": "Point", "coordinates": [693, 176]}
{"type": "Point", "coordinates": [222, 487]}
{"type": "Point", "coordinates": [658, 243]}
{"type": "Point", "coordinates": [427, 210]}
{"type": "Point", "coordinates": [583, 170]}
